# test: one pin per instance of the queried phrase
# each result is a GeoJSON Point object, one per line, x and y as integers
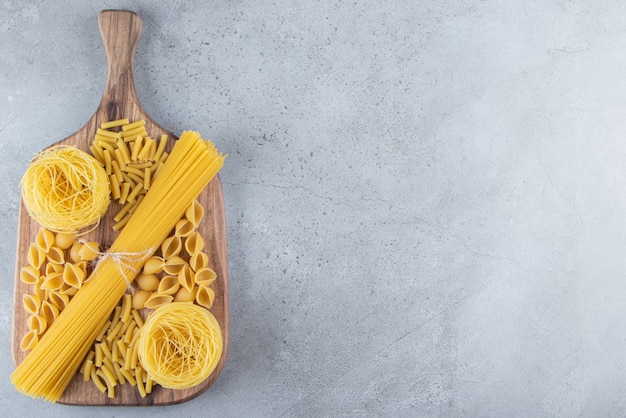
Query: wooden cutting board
{"type": "Point", "coordinates": [120, 32]}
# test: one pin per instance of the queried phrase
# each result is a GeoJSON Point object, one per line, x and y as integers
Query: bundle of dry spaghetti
{"type": "Point", "coordinates": [49, 368]}
{"type": "Point", "coordinates": [180, 345]}
{"type": "Point", "coordinates": [65, 189]}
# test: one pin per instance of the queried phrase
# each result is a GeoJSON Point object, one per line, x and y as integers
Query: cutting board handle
{"type": "Point", "coordinates": [120, 30]}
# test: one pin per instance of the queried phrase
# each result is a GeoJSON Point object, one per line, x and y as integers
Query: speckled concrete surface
{"type": "Point", "coordinates": [425, 200]}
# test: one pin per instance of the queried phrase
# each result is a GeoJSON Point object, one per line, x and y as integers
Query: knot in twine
{"type": "Point", "coordinates": [124, 260]}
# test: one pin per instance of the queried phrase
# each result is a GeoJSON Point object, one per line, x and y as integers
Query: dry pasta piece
{"type": "Point", "coordinates": [58, 299]}
{"type": "Point", "coordinates": [74, 251]}
{"type": "Point", "coordinates": [31, 303]}
{"type": "Point", "coordinates": [194, 243]}
{"type": "Point", "coordinates": [64, 240]}
{"type": "Point", "coordinates": [55, 255]}
{"type": "Point", "coordinates": [205, 296]}
{"type": "Point", "coordinates": [156, 300]}
{"type": "Point", "coordinates": [96, 380]}
{"type": "Point", "coordinates": [53, 268]}
{"type": "Point", "coordinates": [184, 295]}
{"type": "Point", "coordinates": [114, 123]}
{"type": "Point", "coordinates": [195, 213]}
{"type": "Point", "coordinates": [174, 265]}
{"type": "Point", "coordinates": [139, 298]}
{"type": "Point", "coordinates": [89, 251]}
{"type": "Point", "coordinates": [73, 275]}
{"type": "Point", "coordinates": [147, 282]}
{"type": "Point", "coordinates": [184, 228]}
{"type": "Point", "coordinates": [29, 340]}
{"type": "Point", "coordinates": [37, 323]}
{"type": "Point", "coordinates": [186, 277]}
{"type": "Point", "coordinates": [205, 277]}
{"type": "Point", "coordinates": [171, 247]}
{"type": "Point", "coordinates": [38, 290]}
{"type": "Point", "coordinates": [35, 256]}
{"type": "Point", "coordinates": [44, 239]}
{"type": "Point", "coordinates": [53, 281]}
{"type": "Point", "coordinates": [198, 260]}
{"type": "Point", "coordinates": [168, 285]}
{"type": "Point", "coordinates": [154, 265]}
{"type": "Point", "coordinates": [29, 275]}
{"type": "Point", "coordinates": [49, 311]}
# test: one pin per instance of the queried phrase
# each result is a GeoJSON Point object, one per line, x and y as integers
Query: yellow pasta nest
{"type": "Point", "coordinates": [65, 189]}
{"type": "Point", "coordinates": [180, 345]}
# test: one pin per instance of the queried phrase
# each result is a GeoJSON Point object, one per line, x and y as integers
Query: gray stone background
{"type": "Point", "coordinates": [426, 201]}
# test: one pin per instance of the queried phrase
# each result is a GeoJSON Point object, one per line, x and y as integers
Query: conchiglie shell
{"type": "Point", "coordinates": [38, 290]}
{"type": "Point", "coordinates": [184, 295]}
{"type": "Point", "coordinates": [29, 340]}
{"type": "Point", "coordinates": [53, 281]}
{"type": "Point", "coordinates": [31, 303]}
{"type": "Point", "coordinates": [147, 282]}
{"type": "Point", "coordinates": [194, 243]}
{"type": "Point", "coordinates": [171, 247]}
{"type": "Point", "coordinates": [198, 261]}
{"type": "Point", "coordinates": [205, 276]}
{"type": "Point", "coordinates": [37, 323]}
{"type": "Point", "coordinates": [53, 268]}
{"type": "Point", "coordinates": [68, 290]}
{"type": "Point", "coordinates": [186, 277]}
{"type": "Point", "coordinates": [153, 266]}
{"type": "Point", "coordinates": [58, 299]}
{"type": "Point", "coordinates": [74, 251]}
{"type": "Point", "coordinates": [194, 213]}
{"type": "Point", "coordinates": [29, 274]}
{"type": "Point", "coordinates": [174, 265]}
{"type": "Point", "coordinates": [205, 296]}
{"type": "Point", "coordinates": [73, 275]}
{"type": "Point", "coordinates": [155, 300]}
{"type": "Point", "coordinates": [184, 228]}
{"type": "Point", "coordinates": [89, 251]}
{"type": "Point", "coordinates": [55, 255]}
{"type": "Point", "coordinates": [169, 285]}
{"type": "Point", "coordinates": [44, 239]}
{"type": "Point", "coordinates": [49, 311]}
{"type": "Point", "coordinates": [139, 298]}
{"type": "Point", "coordinates": [36, 256]}
{"type": "Point", "coordinates": [64, 240]}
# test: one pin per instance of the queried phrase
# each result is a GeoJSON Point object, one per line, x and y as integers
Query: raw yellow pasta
{"type": "Point", "coordinates": [157, 300]}
{"type": "Point", "coordinates": [31, 303]}
{"type": "Point", "coordinates": [195, 213]}
{"type": "Point", "coordinates": [44, 239]}
{"type": "Point", "coordinates": [168, 285]}
{"type": "Point", "coordinates": [147, 282]}
{"type": "Point", "coordinates": [29, 274]}
{"type": "Point", "coordinates": [65, 189]}
{"type": "Point", "coordinates": [30, 340]}
{"type": "Point", "coordinates": [55, 255]}
{"type": "Point", "coordinates": [171, 247]}
{"type": "Point", "coordinates": [64, 240]}
{"type": "Point", "coordinates": [184, 228]}
{"type": "Point", "coordinates": [47, 370]}
{"type": "Point", "coordinates": [205, 277]}
{"type": "Point", "coordinates": [194, 243]}
{"type": "Point", "coordinates": [180, 345]}
{"type": "Point", "coordinates": [198, 261]}
{"type": "Point", "coordinates": [186, 277]}
{"type": "Point", "coordinates": [154, 265]}
{"type": "Point", "coordinates": [140, 297]}
{"type": "Point", "coordinates": [205, 296]}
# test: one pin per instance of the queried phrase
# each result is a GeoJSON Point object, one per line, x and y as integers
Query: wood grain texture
{"type": "Point", "coordinates": [120, 32]}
